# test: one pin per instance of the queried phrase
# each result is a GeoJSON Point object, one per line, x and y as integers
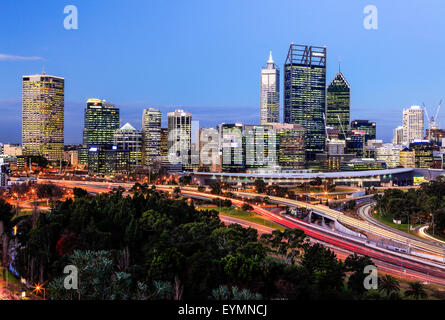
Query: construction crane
{"type": "Point", "coordinates": [432, 122]}
{"type": "Point", "coordinates": [341, 126]}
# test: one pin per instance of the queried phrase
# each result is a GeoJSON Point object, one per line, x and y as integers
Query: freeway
{"type": "Point", "coordinates": [365, 226]}
{"type": "Point", "coordinates": [365, 213]}
{"type": "Point", "coordinates": [408, 266]}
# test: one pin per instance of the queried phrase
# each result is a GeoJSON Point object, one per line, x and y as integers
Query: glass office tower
{"type": "Point", "coordinates": [130, 139]}
{"type": "Point", "coordinates": [43, 102]}
{"type": "Point", "coordinates": [305, 94]}
{"type": "Point", "coordinates": [100, 122]}
{"type": "Point", "coordinates": [151, 133]}
{"type": "Point", "coordinates": [338, 103]}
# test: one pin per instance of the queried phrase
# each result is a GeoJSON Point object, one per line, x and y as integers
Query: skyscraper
{"type": "Point", "coordinates": [231, 142]}
{"type": "Point", "coordinates": [260, 146]}
{"type": "Point", "coordinates": [43, 102]}
{"type": "Point", "coordinates": [151, 133]}
{"type": "Point", "coordinates": [179, 136]}
{"type": "Point", "coordinates": [129, 139]}
{"type": "Point", "coordinates": [305, 94]}
{"type": "Point", "coordinates": [338, 103]}
{"type": "Point", "coordinates": [101, 120]}
{"type": "Point", "coordinates": [270, 93]}
{"type": "Point", "coordinates": [164, 141]}
{"type": "Point", "coordinates": [413, 124]}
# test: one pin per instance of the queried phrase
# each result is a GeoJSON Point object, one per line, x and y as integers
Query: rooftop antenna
{"type": "Point", "coordinates": [43, 69]}
{"type": "Point", "coordinates": [339, 63]}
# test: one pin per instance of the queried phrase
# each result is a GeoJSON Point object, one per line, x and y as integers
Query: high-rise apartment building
{"type": "Point", "coordinates": [413, 124]}
{"type": "Point", "coordinates": [305, 94]}
{"type": "Point", "coordinates": [179, 137]}
{"type": "Point", "coordinates": [130, 139]}
{"type": "Point", "coordinates": [151, 133]}
{"type": "Point", "coordinates": [338, 104]}
{"type": "Point", "coordinates": [270, 93]}
{"type": "Point", "coordinates": [43, 102]}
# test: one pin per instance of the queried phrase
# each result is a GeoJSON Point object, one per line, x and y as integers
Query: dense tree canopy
{"type": "Point", "coordinates": [147, 246]}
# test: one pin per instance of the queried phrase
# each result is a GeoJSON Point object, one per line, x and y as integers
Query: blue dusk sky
{"type": "Point", "coordinates": [205, 56]}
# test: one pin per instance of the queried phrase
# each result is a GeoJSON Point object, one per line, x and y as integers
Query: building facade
{"type": "Point", "coordinates": [151, 136]}
{"type": "Point", "coordinates": [390, 154]}
{"type": "Point", "coordinates": [305, 94]}
{"type": "Point", "coordinates": [270, 93]}
{"type": "Point", "coordinates": [366, 127]}
{"type": "Point", "coordinates": [130, 139]}
{"type": "Point", "coordinates": [338, 104]}
{"type": "Point", "coordinates": [260, 146]}
{"type": "Point", "coordinates": [107, 160]}
{"type": "Point", "coordinates": [291, 146]}
{"type": "Point", "coordinates": [423, 152]}
{"type": "Point", "coordinates": [179, 137]}
{"type": "Point", "coordinates": [43, 103]}
{"type": "Point", "coordinates": [413, 124]}
{"type": "Point", "coordinates": [397, 135]}
{"type": "Point", "coordinates": [231, 144]}
{"type": "Point", "coordinates": [407, 158]}
{"type": "Point", "coordinates": [101, 120]}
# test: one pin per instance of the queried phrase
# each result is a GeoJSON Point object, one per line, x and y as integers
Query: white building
{"type": "Point", "coordinates": [179, 136]}
{"type": "Point", "coordinates": [270, 93]}
{"type": "Point", "coordinates": [397, 135]}
{"type": "Point", "coordinates": [413, 124]}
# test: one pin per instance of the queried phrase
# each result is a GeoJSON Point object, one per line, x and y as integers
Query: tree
{"type": "Point", "coordinates": [260, 186]}
{"type": "Point", "coordinates": [323, 267]}
{"type": "Point", "coordinates": [247, 207]}
{"type": "Point", "coordinates": [416, 290]}
{"type": "Point", "coordinates": [389, 285]}
{"type": "Point", "coordinates": [215, 187]}
{"type": "Point", "coordinates": [287, 243]}
{"type": "Point", "coordinates": [356, 264]}
{"type": "Point", "coordinates": [80, 193]}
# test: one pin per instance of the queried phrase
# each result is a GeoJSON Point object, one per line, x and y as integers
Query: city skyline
{"type": "Point", "coordinates": [365, 55]}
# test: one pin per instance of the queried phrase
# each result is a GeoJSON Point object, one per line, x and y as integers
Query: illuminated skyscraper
{"type": "Point", "coordinates": [338, 104]}
{"type": "Point", "coordinates": [305, 94]}
{"type": "Point", "coordinates": [151, 133]}
{"type": "Point", "coordinates": [270, 93]}
{"type": "Point", "coordinates": [413, 124]}
{"type": "Point", "coordinates": [100, 122]}
{"type": "Point", "coordinates": [260, 146]}
{"type": "Point", "coordinates": [179, 136]}
{"type": "Point", "coordinates": [129, 139]}
{"type": "Point", "coordinates": [164, 141]}
{"type": "Point", "coordinates": [43, 101]}
{"type": "Point", "coordinates": [231, 142]}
